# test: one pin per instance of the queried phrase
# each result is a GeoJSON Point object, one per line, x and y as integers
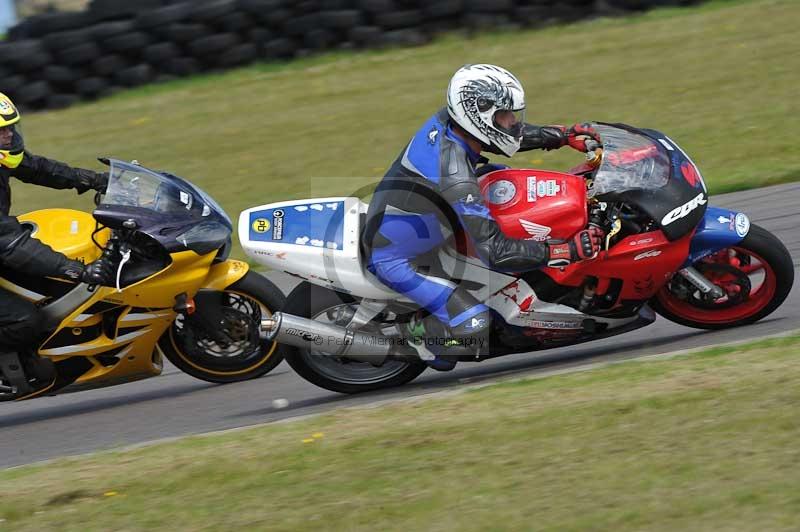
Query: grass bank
{"type": "Point", "coordinates": [705, 441]}
{"type": "Point", "coordinates": [721, 79]}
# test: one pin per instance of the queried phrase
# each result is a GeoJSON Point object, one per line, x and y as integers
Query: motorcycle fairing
{"type": "Point", "coordinates": [719, 229]}
{"type": "Point", "coordinates": [678, 205]}
{"type": "Point", "coordinates": [315, 223]}
{"type": "Point", "coordinates": [338, 266]}
{"type": "Point", "coordinates": [642, 262]}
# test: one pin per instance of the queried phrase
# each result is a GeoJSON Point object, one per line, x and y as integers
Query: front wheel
{"type": "Point", "coordinates": [756, 275]}
{"type": "Point", "coordinates": [335, 373]}
{"type": "Point", "coordinates": [239, 353]}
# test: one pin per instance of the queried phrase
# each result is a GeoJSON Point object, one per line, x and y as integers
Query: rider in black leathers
{"type": "Point", "coordinates": [19, 317]}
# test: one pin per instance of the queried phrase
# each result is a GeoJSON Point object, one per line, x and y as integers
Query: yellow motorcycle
{"type": "Point", "coordinates": [176, 292]}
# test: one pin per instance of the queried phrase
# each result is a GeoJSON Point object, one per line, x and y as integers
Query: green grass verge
{"type": "Point", "coordinates": [721, 79]}
{"type": "Point", "coordinates": [705, 441]}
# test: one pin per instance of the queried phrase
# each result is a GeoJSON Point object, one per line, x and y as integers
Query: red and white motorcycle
{"type": "Point", "coordinates": [666, 251]}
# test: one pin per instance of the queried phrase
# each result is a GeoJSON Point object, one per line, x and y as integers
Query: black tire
{"type": "Point", "coordinates": [319, 39]}
{"type": "Point", "coordinates": [35, 62]}
{"type": "Point", "coordinates": [443, 8]}
{"type": "Point", "coordinates": [163, 15]}
{"type": "Point", "coordinates": [377, 6]}
{"type": "Point", "coordinates": [92, 87]}
{"type": "Point", "coordinates": [256, 7]}
{"type": "Point", "coordinates": [255, 294]}
{"type": "Point", "coordinates": [13, 84]}
{"type": "Point", "coordinates": [489, 6]}
{"type": "Point", "coordinates": [60, 75]}
{"type": "Point", "coordinates": [109, 64]}
{"type": "Point", "coordinates": [33, 92]}
{"type": "Point", "coordinates": [259, 36]}
{"type": "Point", "coordinates": [341, 20]}
{"type": "Point", "coordinates": [182, 32]}
{"type": "Point", "coordinates": [399, 19]}
{"type": "Point", "coordinates": [16, 53]}
{"type": "Point", "coordinates": [212, 10]}
{"type": "Point", "coordinates": [275, 18]}
{"type": "Point", "coordinates": [366, 36]}
{"type": "Point", "coordinates": [61, 21]}
{"type": "Point", "coordinates": [772, 250]}
{"type": "Point", "coordinates": [235, 22]}
{"type": "Point", "coordinates": [127, 42]}
{"type": "Point", "coordinates": [299, 26]}
{"type": "Point", "coordinates": [106, 30]}
{"type": "Point", "coordinates": [160, 53]}
{"type": "Point", "coordinates": [183, 66]}
{"type": "Point", "coordinates": [134, 76]}
{"type": "Point", "coordinates": [310, 300]}
{"type": "Point", "coordinates": [240, 54]}
{"type": "Point", "coordinates": [65, 39]}
{"type": "Point", "coordinates": [213, 44]}
{"type": "Point", "coordinates": [279, 48]}
{"type": "Point", "coordinates": [116, 9]}
{"type": "Point", "coordinates": [79, 55]}
{"type": "Point", "coordinates": [60, 101]}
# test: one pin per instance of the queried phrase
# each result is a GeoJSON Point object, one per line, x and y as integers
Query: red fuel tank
{"type": "Point", "coordinates": [536, 204]}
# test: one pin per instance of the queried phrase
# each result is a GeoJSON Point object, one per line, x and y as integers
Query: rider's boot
{"type": "Point", "coordinates": [440, 346]}
{"type": "Point", "coordinates": [26, 375]}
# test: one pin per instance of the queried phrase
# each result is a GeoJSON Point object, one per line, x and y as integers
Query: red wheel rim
{"type": "Point", "coordinates": [763, 285]}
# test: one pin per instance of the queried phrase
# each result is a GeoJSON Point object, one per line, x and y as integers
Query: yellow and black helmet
{"type": "Point", "coordinates": [12, 144]}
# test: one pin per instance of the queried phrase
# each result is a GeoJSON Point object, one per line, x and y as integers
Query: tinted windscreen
{"type": "Point", "coordinates": [630, 161]}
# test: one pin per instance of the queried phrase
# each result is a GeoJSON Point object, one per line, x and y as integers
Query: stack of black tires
{"type": "Point", "coordinates": [55, 59]}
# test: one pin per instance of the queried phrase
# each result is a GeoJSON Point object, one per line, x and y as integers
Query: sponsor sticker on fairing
{"type": "Point", "coordinates": [648, 254]}
{"type": "Point", "coordinates": [261, 225]}
{"type": "Point", "coordinates": [542, 188]}
{"type": "Point", "coordinates": [742, 225]}
{"type": "Point", "coordinates": [277, 224]}
{"type": "Point", "coordinates": [680, 212]}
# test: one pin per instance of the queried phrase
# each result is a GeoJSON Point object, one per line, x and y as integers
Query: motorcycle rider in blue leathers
{"type": "Point", "coordinates": [432, 189]}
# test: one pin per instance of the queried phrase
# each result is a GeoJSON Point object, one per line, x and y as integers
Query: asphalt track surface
{"type": "Point", "coordinates": [175, 404]}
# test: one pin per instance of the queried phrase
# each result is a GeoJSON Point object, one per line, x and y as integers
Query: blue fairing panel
{"type": "Point", "coordinates": [719, 229]}
{"type": "Point", "coordinates": [311, 224]}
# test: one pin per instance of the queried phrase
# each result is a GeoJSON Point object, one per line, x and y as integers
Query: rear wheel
{"type": "Point", "coordinates": [246, 356]}
{"type": "Point", "coordinates": [756, 276]}
{"type": "Point", "coordinates": [335, 373]}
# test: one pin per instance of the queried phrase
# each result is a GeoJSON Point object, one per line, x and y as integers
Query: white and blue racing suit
{"type": "Point", "coordinates": [429, 191]}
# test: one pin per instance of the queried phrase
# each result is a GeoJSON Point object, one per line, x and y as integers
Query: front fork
{"type": "Point", "coordinates": [700, 282]}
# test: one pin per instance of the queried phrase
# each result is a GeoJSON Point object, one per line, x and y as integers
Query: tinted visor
{"type": "Point", "coordinates": [510, 122]}
{"type": "Point", "coordinates": [11, 139]}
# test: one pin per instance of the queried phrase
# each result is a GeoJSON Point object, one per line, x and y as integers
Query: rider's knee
{"type": "Point", "coordinates": [23, 328]}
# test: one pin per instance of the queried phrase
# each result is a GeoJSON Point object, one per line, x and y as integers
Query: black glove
{"type": "Point", "coordinates": [89, 180]}
{"type": "Point", "coordinates": [584, 245]}
{"type": "Point", "coordinates": [99, 272]}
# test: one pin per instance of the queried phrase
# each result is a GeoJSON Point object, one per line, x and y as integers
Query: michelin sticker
{"type": "Point", "coordinates": [742, 224]}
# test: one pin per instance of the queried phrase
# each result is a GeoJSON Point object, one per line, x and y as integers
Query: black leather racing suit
{"type": "Point", "coordinates": [429, 191]}
{"type": "Point", "coordinates": [19, 318]}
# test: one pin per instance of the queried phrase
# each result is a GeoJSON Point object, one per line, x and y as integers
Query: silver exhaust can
{"type": "Point", "coordinates": [327, 338]}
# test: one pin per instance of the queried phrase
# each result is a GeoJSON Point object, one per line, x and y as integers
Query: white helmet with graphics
{"type": "Point", "coordinates": [489, 103]}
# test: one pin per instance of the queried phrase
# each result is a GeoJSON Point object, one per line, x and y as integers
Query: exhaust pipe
{"type": "Point", "coordinates": [327, 338]}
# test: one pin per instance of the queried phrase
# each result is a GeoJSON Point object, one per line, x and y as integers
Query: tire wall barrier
{"type": "Point", "coordinates": [55, 59]}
